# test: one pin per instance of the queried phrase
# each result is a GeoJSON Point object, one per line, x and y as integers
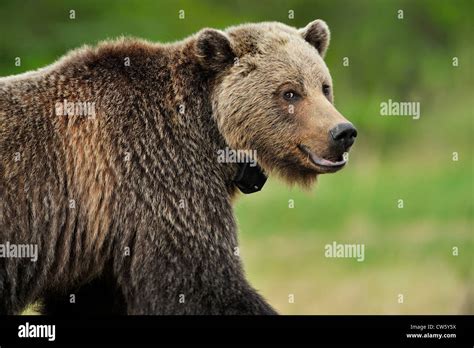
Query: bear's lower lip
{"type": "Point", "coordinates": [327, 165]}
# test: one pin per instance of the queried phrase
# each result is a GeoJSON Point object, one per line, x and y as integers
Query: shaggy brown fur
{"type": "Point", "coordinates": [142, 175]}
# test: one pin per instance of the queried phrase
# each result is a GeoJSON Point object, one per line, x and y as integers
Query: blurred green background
{"type": "Point", "coordinates": [408, 250]}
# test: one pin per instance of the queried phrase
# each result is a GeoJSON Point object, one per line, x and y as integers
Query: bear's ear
{"type": "Point", "coordinates": [317, 34]}
{"type": "Point", "coordinates": [213, 49]}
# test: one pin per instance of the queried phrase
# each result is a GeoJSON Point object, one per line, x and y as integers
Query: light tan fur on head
{"type": "Point", "coordinates": [270, 59]}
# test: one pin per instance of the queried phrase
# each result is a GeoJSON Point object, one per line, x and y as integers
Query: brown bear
{"type": "Point", "coordinates": [110, 170]}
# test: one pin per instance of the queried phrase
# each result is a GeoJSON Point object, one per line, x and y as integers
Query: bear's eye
{"type": "Point", "coordinates": [291, 95]}
{"type": "Point", "coordinates": [326, 90]}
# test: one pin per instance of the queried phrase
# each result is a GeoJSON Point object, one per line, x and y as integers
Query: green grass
{"type": "Point", "coordinates": [408, 250]}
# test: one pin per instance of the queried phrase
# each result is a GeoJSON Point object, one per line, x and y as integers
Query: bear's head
{"type": "Point", "coordinates": [273, 94]}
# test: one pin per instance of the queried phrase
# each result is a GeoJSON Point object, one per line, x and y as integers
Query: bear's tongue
{"type": "Point", "coordinates": [319, 160]}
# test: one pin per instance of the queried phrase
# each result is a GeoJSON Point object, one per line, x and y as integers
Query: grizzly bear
{"type": "Point", "coordinates": [110, 171]}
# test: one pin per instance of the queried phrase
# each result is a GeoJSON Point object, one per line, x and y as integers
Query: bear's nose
{"type": "Point", "coordinates": [344, 134]}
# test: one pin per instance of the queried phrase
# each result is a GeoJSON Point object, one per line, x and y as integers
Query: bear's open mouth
{"type": "Point", "coordinates": [327, 165]}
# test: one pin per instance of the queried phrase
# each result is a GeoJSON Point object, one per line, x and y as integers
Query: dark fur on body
{"type": "Point", "coordinates": [169, 202]}
{"type": "Point", "coordinates": [137, 203]}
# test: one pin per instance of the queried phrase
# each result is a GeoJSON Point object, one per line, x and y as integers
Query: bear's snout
{"type": "Point", "coordinates": [342, 136]}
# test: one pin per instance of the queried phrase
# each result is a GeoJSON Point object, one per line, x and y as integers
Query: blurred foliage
{"type": "Point", "coordinates": [408, 250]}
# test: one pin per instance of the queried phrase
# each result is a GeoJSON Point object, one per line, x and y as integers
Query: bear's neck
{"type": "Point", "coordinates": [193, 97]}
{"type": "Point", "coordinates": [185, 133]}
